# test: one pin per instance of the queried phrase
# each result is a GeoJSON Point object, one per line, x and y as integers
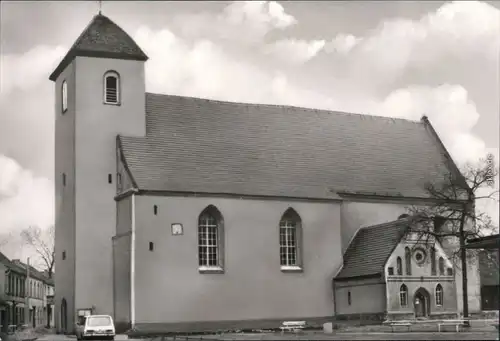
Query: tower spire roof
{"type": "Point", "coordinates": [102, 38]}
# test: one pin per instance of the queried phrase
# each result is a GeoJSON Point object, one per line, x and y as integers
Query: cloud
{"type": "Point", "coordinates": [295, 51]}
{"type": "Point", "coordinates": [246, 22]}
{"type": "Point", "coordinates": [227, 56]}
{"type": "Point", "coordinates": [25, 199]}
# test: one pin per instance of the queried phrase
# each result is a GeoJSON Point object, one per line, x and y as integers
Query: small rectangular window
{"type": "Point", "coordinates": [349, 297]}
{"type": "Point", "coordinates": [449, 271]}
{"type": "Point", "coordinates": [64, 179]}
{"type": "Point", "coordinates": [151, 246]}
{"type": "Point", "coordinates": [64, 255]}
{"type": "Point", "coordinates": [155, 209]}
{"type": "Point", "coordinates": [391, 271]}
{"type": "Point", "coordinates": [110, 179]}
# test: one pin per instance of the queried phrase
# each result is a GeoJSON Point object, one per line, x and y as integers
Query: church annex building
{"type": "Point", "coordinates": [178, 213]}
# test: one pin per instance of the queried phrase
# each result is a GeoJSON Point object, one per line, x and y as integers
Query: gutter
{"type": "Point", "coordinates": [132, 264]}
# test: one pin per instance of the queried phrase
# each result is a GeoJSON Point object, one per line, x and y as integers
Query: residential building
{"type": "Point", "coordinates": [37, 294]}
{"type": "Point", "coordinates": [196, 214]}
{"type": "Point", "coordinates": [14, 290]}
{"type": "Point", "coordinates": [391, 272]}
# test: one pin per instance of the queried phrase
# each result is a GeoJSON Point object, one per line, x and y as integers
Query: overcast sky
{"type": "Point", "coordinates": [394, 58]}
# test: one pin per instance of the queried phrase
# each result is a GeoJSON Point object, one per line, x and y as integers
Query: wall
{"type": "Point", "coordinates": [65, 196]}
{"type": "Point", "coordinates": [421, 276]}
{"type": "Point", "coordinates": [97, 126]}
{"type": "Point", "coordinates": [367, 296]}
{"type": "Point", "coordinates": [359, 214]}
{"type": "Point", "coordinates": [169, 287]}
{"type": "Point", "coordinates": [121, 263]}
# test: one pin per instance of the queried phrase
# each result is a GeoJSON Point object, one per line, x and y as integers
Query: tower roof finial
{"type": "Point", "coordinates": [100, 7]}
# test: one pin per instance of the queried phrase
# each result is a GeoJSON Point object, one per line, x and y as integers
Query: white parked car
{"type": "Point", "coordinates": [98, 327]}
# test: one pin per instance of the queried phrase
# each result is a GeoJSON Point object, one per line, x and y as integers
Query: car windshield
{"type": "Point", "coordinates": [98, 321]}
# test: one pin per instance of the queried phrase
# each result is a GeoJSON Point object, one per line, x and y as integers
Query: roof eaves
{"type": "Point", "coordinates": [452, 166]}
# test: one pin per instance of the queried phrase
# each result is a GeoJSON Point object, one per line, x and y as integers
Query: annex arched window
{"type": "Point", "coordinates": [290, 233]}
{"type": "Point", "coordinates": [403, 295]}
{"type": "Point", "coordinates": [64, 96]}
{"type": "Point", "coordinates": [439, 295]}
{"type": "Point", "coordinates": [408, 260]}
{"type": "Point", "coordinates": [210, 239]}
{"type": "Point", "coordinates": [441, 266]}
{"type": "Point", "coordinates": [433, 261]}
{"type": "Point", "coordinates": [399, 266]}
{"type": "Point", "coordinates": [111, 88]}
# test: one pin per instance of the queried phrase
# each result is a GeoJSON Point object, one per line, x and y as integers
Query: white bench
{"type": "Point", "coordinates": [292, 326]}
{"type": "Point", "coordinates": [456, 323]}
{"type": "Point", "coordinates": [400, 324]}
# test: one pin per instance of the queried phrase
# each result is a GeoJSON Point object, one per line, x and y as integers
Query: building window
{"type": "Point", "coordinates": [349, 297]}
{"type": "Point", "coordinates": [403, 295]}
{"type": "Point", "coordinates": [111, 88]}
{"type": "Point", "coordinates": [210, 238]}
{"type": "Point", "coordinates": [290, 240]}
{"type": "Point", "coordinates": [151, 246]}
{"type": "Point", "coordinates": [449, 271]}
{"type": "Point", "coordinates": [408, 260]}
{"type": "Point", "coordinates": [433, 261]}
{"type": "Point", "coordinates": [110, 179]}
{"type": "Point", "coordinates": [64, 179]}
{"type": "Point", "coordinates": [399, 266]}
{"type": "Point", "coordinates": [390, 271]}
{"type": "Point", "coordinates": [441, 266]}
{"type": "Point", "coordinates": [64, 255]}
{"type": "Point", "coordinates": [64, 95]}
{"type": "Point", "coordinates": [155, 209]}
{"type": "Point", "coordinates": [439, 295]}
{"type": "Point", "coordinates": [438, 224]}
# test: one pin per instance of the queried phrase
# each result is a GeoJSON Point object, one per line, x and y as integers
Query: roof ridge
{"type": "Point", "coordinates": [407, 219]}
{"type": "Point", "coordinates": [309, 109]}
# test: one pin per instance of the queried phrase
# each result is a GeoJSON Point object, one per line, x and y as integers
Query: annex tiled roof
{"type": "Point", "coordinates": [371, 247]}
{"type": "Point", "coordinates": [102, 38]}
{"type": "Point", "coordinates": [199, 145]}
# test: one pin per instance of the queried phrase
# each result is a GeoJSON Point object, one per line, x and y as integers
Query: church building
{"type": "Point", "coordinates": [178, 213]}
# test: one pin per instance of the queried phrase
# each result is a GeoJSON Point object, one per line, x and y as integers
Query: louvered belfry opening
{"type": "Point", "coordinates": [111, 91]}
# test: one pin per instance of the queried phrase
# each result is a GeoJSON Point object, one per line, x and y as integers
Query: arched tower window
{"type": "Point", "coordinates": [441, 266]}
{"type": "Point", "coordinates": [290, 231]}
{"type": "Point", "coordinates": [439, 295]}
{"type": "Point", "coordinates": [408, 260]}
{"type": "Point", "coordinates": [210, 239]}
{"type": "Point", "coordinates": [64, 96]}
{"type": "Point", "coordinates": [111, 88]}
{"type": "Point", "coordinates": [403, 295]}
{"type": "Point", "coordinates": [399, 266]}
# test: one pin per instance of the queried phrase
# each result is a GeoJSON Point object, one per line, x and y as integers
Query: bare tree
{"type": "Point", "coordinates": [42, 241]}
{"type": "Point", "coordinates": [453, 218]}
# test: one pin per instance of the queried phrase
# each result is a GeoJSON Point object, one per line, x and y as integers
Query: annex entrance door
{"type": "Point", "coordinates": [421, 303]}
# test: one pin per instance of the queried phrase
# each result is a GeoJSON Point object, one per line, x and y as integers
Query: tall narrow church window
{"type": "Point", "coordinates": [349, 297]}
{"type": "Point", "coordinates": [433, 261]}
{"type": "Point", "coordinates": [403, 295]}
{"type": "Point", "coordinates": [441, 266]}
{"type": "Point", "coordinates": [399, 266]}
{"type": "Point", "coordinates": [210, 239]}
{"type": "Point", "coordinates": [64, 179]}
{"type": "Point", "coordinates": [64, 96]}
{"type": "Point", "coordinates": [290, 239]}
{"type": "Point", "coordinates": [439, 295]}
{"type": "Point", "coordinates": [111, 88]}
{"type": "Point", "coordinates": [408, 260]}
